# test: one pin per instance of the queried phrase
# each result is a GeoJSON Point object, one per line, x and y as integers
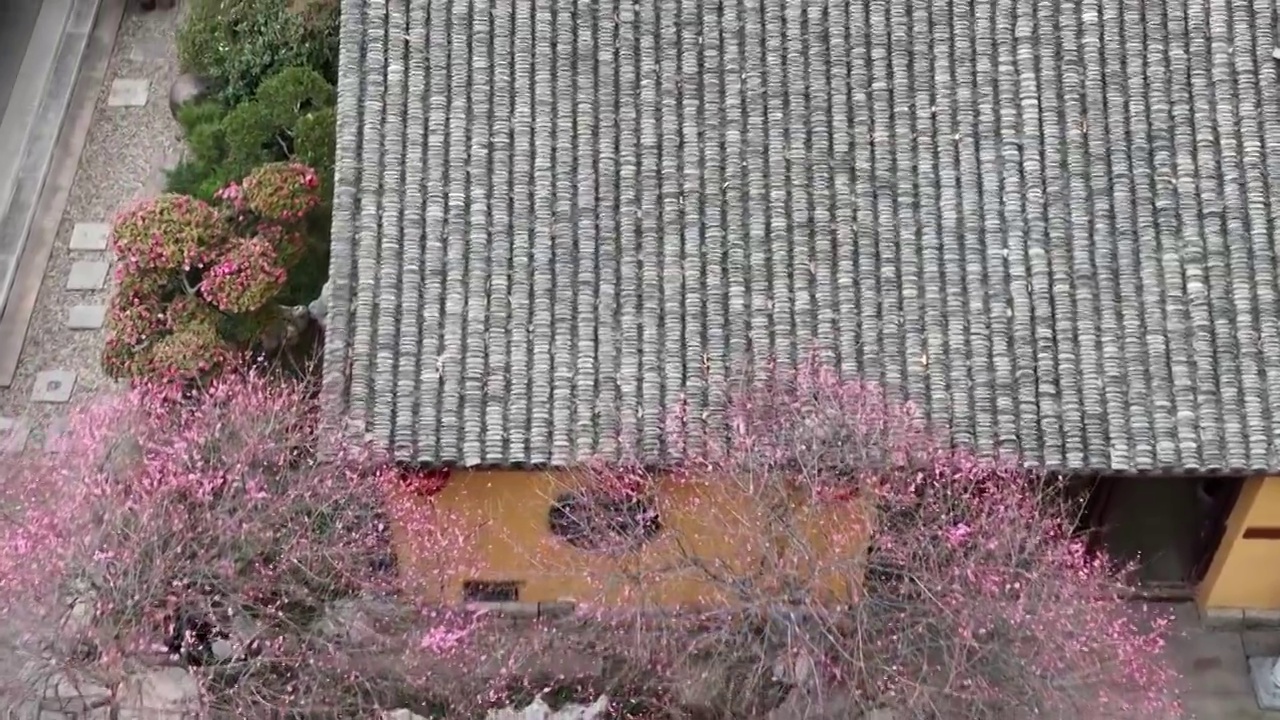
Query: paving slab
{"type": "Point", "coordinates": [13, 434]}
{"type": "Point", "coordinates": [1220, 707]}
{"type": "Point", "coordinates": [53, 433]}
{"type": "Point", "coordinates": [54, 386]}
{"type": "Point", "coordinates": [1261, 643]}
{"type": "Point", "coordinates": [1265, 691]}
{"type": "Point", "coordinates": [128, 92]}
{"type": "Point", "coordinates": [88, 275]}
{"type": "Point", "coordinates": [86, 317]}
{"type": "Point", "coordinates": [90, 236]}
{"type": "Point", "coordinates": [150, 49]}
{"type": "Point", "coordinates": [1214, 659]}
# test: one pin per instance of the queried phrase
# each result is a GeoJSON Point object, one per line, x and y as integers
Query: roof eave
{"type": "Point", "coordinates": [335, 383]}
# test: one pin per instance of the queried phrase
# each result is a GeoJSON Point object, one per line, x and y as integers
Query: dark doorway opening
{"type": "Point", "coordinates": [1169, 526]}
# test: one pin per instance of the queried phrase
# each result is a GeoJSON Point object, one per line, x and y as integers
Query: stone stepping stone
{"type": "Point", "coordinates": [88, 275]}
{"type": "Point", "coordinates": [128, 92]}
{"type": "Point", "coordinates": [53, 434]}
{"type": "Point", "coordinates": [13, 435]}
{"type": "Point", "coordinates": [86, 317]}
{"type": "Point", "coordinates": [149, 49]}
{"type": "Point", "coordinates": [90, 236]}
{"type": "Point", "coordinates": [53, 386]}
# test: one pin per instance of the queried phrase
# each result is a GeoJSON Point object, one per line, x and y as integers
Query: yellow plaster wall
{"type": "Point", "coordinates": [495, 527]}
{"type": "Point", "coordinates": [1245, 572]}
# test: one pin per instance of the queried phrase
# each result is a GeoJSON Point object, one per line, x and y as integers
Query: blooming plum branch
{"type": "Point", "coordinates": [853, 554]}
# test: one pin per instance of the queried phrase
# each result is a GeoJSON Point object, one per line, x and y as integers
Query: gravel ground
{"type": "Point", "coordinates": [123, 160]}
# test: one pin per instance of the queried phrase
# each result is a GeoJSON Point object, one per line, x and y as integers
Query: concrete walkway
{"type": "Point", "coordinates": [114, 147]}
{"type": "Point", "coordinates": [17, 26]}
{"type": "Point", "coordinates": [129, 143]}
{"type": "Point", "coordinates": [1214, 667]}
{"type": "Point", "coordinates": [44, 48]}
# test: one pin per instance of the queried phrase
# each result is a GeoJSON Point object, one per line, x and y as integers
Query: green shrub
{"type": "Point", "coordinates": [202, 116]}
{"type": "Point", "coordinates": [191, 177]}
{"type": "Point", "coordinates": [253, 138]}
{"type": "Point", "coordinates": [290, 117]}
{"type": "Point", "coordinates": [313, 141]}
{"type": "Point", "coordinates": [239, 43]}
{"type": "Point", "coordinates": [201, 174]}
{"type": "Point", "coordinates": [292, 92]}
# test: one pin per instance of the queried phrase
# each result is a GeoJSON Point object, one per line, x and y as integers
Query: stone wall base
{"type": "Point", "coordinates": [1239, 618]}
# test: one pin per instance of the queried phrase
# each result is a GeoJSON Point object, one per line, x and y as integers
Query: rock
{"type": "Point", "coordinates": [238, 639]}
{"type": "Point", "coordinates": [284, 332]}
{"type": "Point", "coordinates": [351, 621]}
{"type": "Point", "coordinates": [166, 692]}
{"type": "Point", "coordinates": [187, 89]}
{"type": "Point", "coordinates": [831, 705]}
{"type": "Point", "coordinates": [123, 458]}
{"type": "Point", "coordinates": [74, 696]}
{"type": "Point", "coordinates": [401, 714]}
{"type": "Point", "coordinates": [223, 650]}
{"type": "Point", "coordinates": [539, 710]}
{"type": "Point", "coordinates": [319, 308]}
{"type": "Point", "coordinates": [594, 711]}
{"type": "Point", "coordinates": [79, 617]}
{"type": "Point", "coordinates": [799, 670]}
{"type": "Point", "coordinates": [702, 687]}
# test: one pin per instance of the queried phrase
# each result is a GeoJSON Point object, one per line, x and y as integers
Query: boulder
{"type": "Point", "coordinates": [286, 329]}
{"type": "Point", "coordinates": [355, 621]}
{"type": "Point", "coordinates": [187, 89]}
{"type": "Point", "coordinates": [240, 641]}
{"type": "Point", "coordinates": [540, 710]}
{"type": "Point", "coordinates": [170, 692]}
{"type": "Point", "coordinates": [401, 714]}
{"type": "Point", "coordinates": [62, 693]}
{"type": "Point", "coordinates": [319, 308]}
{"type": "Point", "coordinates": [830, 705]}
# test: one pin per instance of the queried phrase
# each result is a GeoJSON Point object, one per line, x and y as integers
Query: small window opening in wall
{"type": "Point", "coordinates": [596, 522]}
{"type": "Point", "coordinates": [490, 591]}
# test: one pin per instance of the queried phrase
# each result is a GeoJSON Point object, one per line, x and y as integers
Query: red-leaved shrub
{"type": "Point", "coordinates": [232, 258]}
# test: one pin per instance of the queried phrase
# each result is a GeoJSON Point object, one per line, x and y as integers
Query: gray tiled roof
{"type": "Point", "coordinates": [1050, 222]}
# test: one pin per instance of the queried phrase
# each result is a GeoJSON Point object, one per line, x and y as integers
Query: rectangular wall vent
{"type": "Point", "coordinates": [490, 591]}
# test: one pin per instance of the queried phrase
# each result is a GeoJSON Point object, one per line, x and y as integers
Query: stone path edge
{"type": "Point", "coordinates": [41, 141]}
{"type": "Point", "coordinates": [42, 234]}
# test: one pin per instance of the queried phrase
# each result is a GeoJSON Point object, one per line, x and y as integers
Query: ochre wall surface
{"type": "Point", "coordinates": [1245, 572]}
{"type": "Point", "coordinates": [493, 526]}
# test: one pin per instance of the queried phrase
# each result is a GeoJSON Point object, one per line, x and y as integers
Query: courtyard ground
{"type": "Point", "coordinates": [1214, 667]}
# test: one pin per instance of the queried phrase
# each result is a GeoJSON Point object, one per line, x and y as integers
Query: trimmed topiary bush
{"type": "Point", "coordinates": [200, 282]}
{"type": "Point", "coordinates": [313, 138]}
{"type": "Point", "coordinates": [238, 44]}
{"type": "Point", "coordinates": [291, 117]}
